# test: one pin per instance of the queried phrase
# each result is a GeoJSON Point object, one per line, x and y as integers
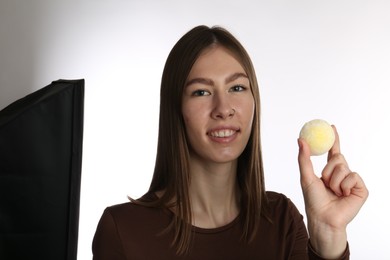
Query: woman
{"type": "Point", "coordinates": [207, 199]}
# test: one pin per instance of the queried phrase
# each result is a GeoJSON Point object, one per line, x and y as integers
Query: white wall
{"type": "Point", "coordinates": [314, 59]}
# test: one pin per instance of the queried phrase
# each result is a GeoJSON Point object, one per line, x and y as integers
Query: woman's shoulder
{"type": "Point", "coordinates": [134, 208]}
{"type": "Point", "coordinates": [276, 197]}
{"type": "Point", "coordinates": [280, 204]}
{"type": "Point", "coordinates": [136, 216]}
{"type": "Point", "coordinates": [132, 224]}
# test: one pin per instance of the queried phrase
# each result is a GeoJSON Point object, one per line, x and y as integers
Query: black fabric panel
{"type": "Point", "coordinates": [40, 173]}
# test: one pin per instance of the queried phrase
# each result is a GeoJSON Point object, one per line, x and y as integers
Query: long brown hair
{"type": "Point", "coordinates": [171, 173]}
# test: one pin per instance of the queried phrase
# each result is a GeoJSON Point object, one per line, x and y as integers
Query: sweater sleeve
{"type": "Point", "coordinates": [106, 243]}
{"type": "Point", "coordinates": [313, 255]}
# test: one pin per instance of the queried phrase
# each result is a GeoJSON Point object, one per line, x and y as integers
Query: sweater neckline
{"type": "Point", "coordinates": [216, 229]}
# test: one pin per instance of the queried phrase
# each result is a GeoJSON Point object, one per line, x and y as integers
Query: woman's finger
{"type": "Point", "coordinates": [305, 164]}
{"type": "Point", "coordinates": [353, 183]}
{"type": "Point", "coordinates": [336, 146]}
{"type": "Point", "coordinates": [333, 162]}
{"type": "Point", "coordinates": [339, 173]}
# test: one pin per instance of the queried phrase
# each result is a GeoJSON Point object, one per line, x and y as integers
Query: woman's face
{"type": "Point", "coordinates": [218, 107]}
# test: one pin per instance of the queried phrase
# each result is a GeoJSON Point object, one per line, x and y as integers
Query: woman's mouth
{"type": "Point", "coordinates": [222, 133]}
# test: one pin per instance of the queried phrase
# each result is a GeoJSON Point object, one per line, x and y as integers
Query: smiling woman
{"type": "Point", "coordinates": [207, 198]}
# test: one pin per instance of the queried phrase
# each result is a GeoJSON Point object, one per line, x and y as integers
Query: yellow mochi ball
{"type": "Point", "coordinates": [319, 135]}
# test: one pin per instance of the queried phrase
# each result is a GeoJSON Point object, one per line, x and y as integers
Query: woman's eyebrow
{"type": "Point", "coordinates": [235, 76]}
{"type": "Point", "coordinates": [210, 82]}
{"type": "Point", "coordinates": [201, 81]}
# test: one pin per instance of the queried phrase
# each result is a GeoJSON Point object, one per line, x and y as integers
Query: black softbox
{"type": "Point", "coordinates": [40, 171]}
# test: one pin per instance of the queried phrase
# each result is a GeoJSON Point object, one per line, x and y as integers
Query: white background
{"type": "Point", "coordinates": [314, 59]}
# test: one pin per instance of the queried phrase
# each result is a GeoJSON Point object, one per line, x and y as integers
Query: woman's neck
{"type": "Point", "coordinates": [213, 193]}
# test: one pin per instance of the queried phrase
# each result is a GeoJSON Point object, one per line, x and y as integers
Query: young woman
{"type": "Point", "coordinates": [207, 199]}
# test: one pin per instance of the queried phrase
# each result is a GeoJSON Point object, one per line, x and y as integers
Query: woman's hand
{"type": "Point", "coordinates": [331, 201]}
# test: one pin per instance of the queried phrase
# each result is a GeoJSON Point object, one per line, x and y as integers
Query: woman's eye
{"type": "Point", "coordinates": [200, 92]}
{"type": "Point", "coordinates": [237, 88]}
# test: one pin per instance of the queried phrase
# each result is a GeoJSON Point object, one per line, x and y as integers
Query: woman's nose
{"type": "Point", "coordinates": [222, 107]}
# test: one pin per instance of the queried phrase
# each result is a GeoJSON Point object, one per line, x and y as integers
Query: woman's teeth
{"type": "Point", "coordinates": [222, 133]}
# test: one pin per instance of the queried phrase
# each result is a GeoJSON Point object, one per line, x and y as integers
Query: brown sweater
{"type": "Point", "coordinates": [129, 231]}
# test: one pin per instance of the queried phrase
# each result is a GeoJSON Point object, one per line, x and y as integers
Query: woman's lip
{"type": "Point", "coordinates": [223, 134]}
{"type": "Point", "coordinates": [223, 128]}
